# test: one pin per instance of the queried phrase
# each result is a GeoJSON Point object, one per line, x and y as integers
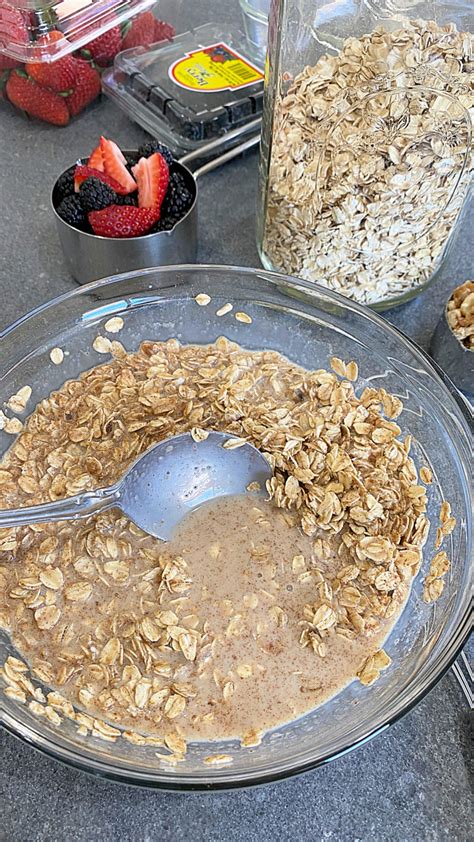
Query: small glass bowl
{"type": "Point", "coordinates": [255, 20]}
{"type": "Point", "coordinates": [307, 324]}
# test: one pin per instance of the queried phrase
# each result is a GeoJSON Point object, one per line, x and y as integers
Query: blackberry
{"type": "Point", "coordinates": [95, 195]}
{"type": "Point", "coordinates": [129, 199]}
{"type": "Point", "coordinates": [65, 184]}
{"type": "Point", "coordinates": [147, 149]}
{"type": "Point", "coordinates": [178, 198]}
{"type": "Point", "coordinates": [71, 210]}
{"type": "Point", "coordinates": [165, 223]}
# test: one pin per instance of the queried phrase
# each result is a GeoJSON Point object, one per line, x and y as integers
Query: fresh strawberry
{"type": "Point", "coordinates": [37, 101]}
{"type": "Point", "coordinates": [152, 175]}
{"type": "Point", "coordinates": [163, 31]}
{"type": "Point", "coordinates": [145, 29]}
{"type": "Point", "coordinates": [105, 47]}
{"type": "Point", "coordinates": [13, 26]}
{"type": "Point", "coordinates": [95, 159]}
{"type": "Point", "coordinates": [141, 32]}
{"type": "Point", "coordinates": [4, 74]}
{"type": "Point", "coordinates": [115, 165]}
{"type": "Point", "coordinates": [86, 88]}
{"type": "Point", "coordinates": [122, 221]}
{"type": "Point", "coordinates": [83, 172]}
{"type": "Point", "coordinates": [7, 63]}
{"type": "Point", "coordinates": [59, 75]}
{"type": "Point", "coordinates": [51, 42]}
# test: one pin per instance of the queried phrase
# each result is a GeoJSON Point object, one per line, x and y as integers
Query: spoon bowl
{"type": "Point", "coordinates": [166, 482]}
{"type": "Point", "coordinates": [180, 474]}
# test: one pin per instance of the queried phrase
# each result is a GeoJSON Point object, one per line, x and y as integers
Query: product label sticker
{"type": "Point", "coordinates": [214, 68]}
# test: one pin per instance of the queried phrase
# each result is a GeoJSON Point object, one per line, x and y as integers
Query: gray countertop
{"type": "Point", "coordinates": [411, 782]}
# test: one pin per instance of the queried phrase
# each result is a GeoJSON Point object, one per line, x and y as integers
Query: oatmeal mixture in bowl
{"type": "Point", "coordinates": [274, 630]}
{"type": "Point", "coordinates": [259, 609]}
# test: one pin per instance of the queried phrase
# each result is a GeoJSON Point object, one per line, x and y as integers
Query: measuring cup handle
{"type": "Point", "coordinates": [227, 156]}
{"type": "Point", "coordinates": [203, 151]}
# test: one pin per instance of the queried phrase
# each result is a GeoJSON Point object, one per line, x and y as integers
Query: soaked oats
{"type": "Point", "coordinates": [433, 583]}
{"type": "Point", "coordinates": [244, 318]}
{"type": "Point", "coordinates": [12, 426]}
{"type": "Point", "coordinates": [18, 401]}
{"type": "Point", "coordinates": [257, 611]}
{"type": "Point", "coordinates": [226, 308]}
{"type": "Point", "coordinates": [102, 345]}
{"type": "Point", "coordinates": [217, 759]}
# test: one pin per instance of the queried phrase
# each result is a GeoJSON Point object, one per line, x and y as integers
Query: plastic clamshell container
{"type": "Point", "coordinates": [79, 20]}
{"type": "Point", "coordinates": [191, 90]}
{"type": "Point", "coordinates": [40, 43]}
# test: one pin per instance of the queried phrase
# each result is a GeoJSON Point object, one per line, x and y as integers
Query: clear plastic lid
{"type": "Point", "coordinates": [187, 92]}
{"type": "Point", "coordinates": [27, 26]}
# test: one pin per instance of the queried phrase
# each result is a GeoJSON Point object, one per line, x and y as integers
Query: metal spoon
{"type": "Point", "coordinates": [165, 483]}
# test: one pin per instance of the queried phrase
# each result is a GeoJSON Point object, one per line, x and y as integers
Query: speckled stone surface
{"type": "Point", "coordinates": [410, 783]}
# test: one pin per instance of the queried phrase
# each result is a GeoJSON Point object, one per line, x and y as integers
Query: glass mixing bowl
{"type": "Point", "coordinates": [308, 325]}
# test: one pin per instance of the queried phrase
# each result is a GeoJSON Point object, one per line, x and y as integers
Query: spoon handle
{"type": "Point", "coordinates": [71, 508]}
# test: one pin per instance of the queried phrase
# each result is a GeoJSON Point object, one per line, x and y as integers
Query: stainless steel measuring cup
{"type": "Point", "coordinates": [90, 257]}
{"type": "Point", "coordinates": [449, 352]}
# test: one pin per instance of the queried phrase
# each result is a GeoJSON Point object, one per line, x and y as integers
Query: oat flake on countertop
{"type": "Point", "coordinates": [56, 355]}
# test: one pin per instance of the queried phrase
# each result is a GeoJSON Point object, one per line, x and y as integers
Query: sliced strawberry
{"type": "Point", "coordinates": [82, 172]}
{"type": "Point", "coordinates": [152, 175]}
{"type": "Point", "coordinates": [122, 221]}
{"type": "Point", "coordinates": [115, 165]}
{"type": "Point", "coordinates": [95, 159]}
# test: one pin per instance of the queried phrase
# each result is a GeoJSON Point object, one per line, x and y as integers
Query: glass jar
{"type": "Point", "coordinates": [366, 143]}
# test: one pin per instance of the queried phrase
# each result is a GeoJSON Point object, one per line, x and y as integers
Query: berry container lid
{"type": "Point", "coordinates": [189, 91]}
{"type": "Point", "coordinates": [25, 24]}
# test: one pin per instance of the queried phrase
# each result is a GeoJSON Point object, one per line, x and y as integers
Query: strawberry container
{"type": "Point", "coordinates": [52, 54]}
{"type": "Point", "coordinates": [199, 87]}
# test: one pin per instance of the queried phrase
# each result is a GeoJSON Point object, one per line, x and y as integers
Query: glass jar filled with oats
{"type": "Point", "coordinates": [366, 157]}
